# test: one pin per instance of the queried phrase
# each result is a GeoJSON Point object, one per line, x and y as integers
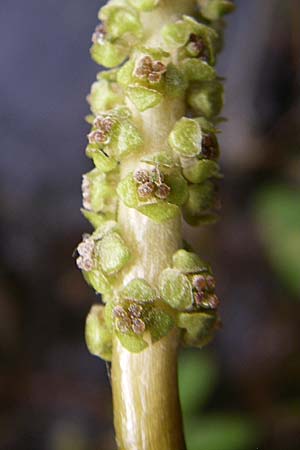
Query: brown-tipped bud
{"type": "Point", "coordinates": [162, 191]}
{"type": "Point", "coordinates": [99, 34]}
{"type": "Point", "coordinates": [123, 324]}
{"type": "Point", "coordinates": [199, 283]}
{"type": "Point", "coordinates": [85, 264]}
{"type": "Point", "coordinates": [199, 297]}
{"type": "Point", "coordinates": [103, 123]}
{"type": "Point", "coordinates": [135, 310]}
{"type": "Point", "coordinates": [208, 147]}
{"type": "Point", "coordinates": [151, 70]}
{"type": "Point", "coordinates": [211, 283]}
{"type": "Point", "coordinates": [211, 302]}
{"type": "Point", "coordinates": [97, 137]}
{"type": "Point", "coordinates": [119, 312]}
{"type": "Point", "coordinates": [146, 190]}
{"type": "Point", "coordinates": [141, 176]}
{"type": "Point", "coordinates": [196, 45]}
{"type": "Point", "coordinates": [138, 326]}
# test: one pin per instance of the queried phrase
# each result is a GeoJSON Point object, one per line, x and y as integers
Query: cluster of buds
{"type": "Point", "coordinates": [149, 69]}
{"type": "Point", "coordinates": [204, 292]}
{"type": "Point", "coordinates": [151, 183]}
{"type": "Point", "coordinates": [85, 249]}
{"type": "Point", "coordinates": [208, 147]}
{"type": "Point", "coordinates": [99, 35]}
{"type": "Point", "coordinates": [197, 47]}
{"type": "Point", "coordinates": [86, 193]}
{"type": "Point", "coordinates": [101, 129]}
{"type": "Point", "coordinates": [129, 318]}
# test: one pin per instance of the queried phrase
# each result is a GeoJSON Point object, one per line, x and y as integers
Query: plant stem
{"type": "Point", "coordinates": [147, 413]}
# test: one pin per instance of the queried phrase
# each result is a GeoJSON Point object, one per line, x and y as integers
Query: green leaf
{"type": "Point", "coordinates": [143, 97]}
{"type": "Point", "coordinates": [108, 54]}
{"type": "Point", "coordinates": [133, 343]}
{"type": "Point", "coordinates": [220, 432]}
{"type": "Point", "coordinates": [188, 262]}
{"type": "Point", "coordinates": [125, 73]}
{"type": "Point", "coordinates": [176, 289]}
{"type": "Point", "coordinates": [97, 336]}
{"type": "Point", "coordinates": [113, 253]}
{"type": "Point", "coordinates": [201, 170]}
{"type": "Point", "coordinates": [159, 212]}
{"type": "Point", "coordinates": [102, 162]}
{"type": "Point", "coordinates": [160, 324]}
{"type": "Point", "coordinates": [197, 380]}
{"type": "Point", "coordinates": [186, 137]}
{"type": "Point", "coordinates": [197, 70]}
{"type": "Point", "coordinates": [139, 290]}
{"type": "Point", "coordinates": [277, 213]}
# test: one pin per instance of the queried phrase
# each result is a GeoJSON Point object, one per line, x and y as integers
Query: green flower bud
{"type": "Point", "coordinates": [189, 263]}
{"type": "Point", "coordinates": [201, 170]}
{"type": "Point", "coordinates": [175, 83]}
{"type": "Point", "coordinates": [127, 140]}
{"type": "Point", "coordinates": [197, 70]}
{"type": "Point", "coordinates": [207, 98]}
{"type": "Point", "coordinates": [100, 282]}
{"type": "Point", "coordinates": [104, 95]}
{"type": "Point", "coordinates": [139, 290]}
{"type": "Point", "coordinates": [186, 137]}
{"type": "Point", "coordinates": [215, 9]}
{"type": "Point", "coordinates": [199, 327]}
{"type": "Point", "coordinates": [98, 337]}
{"type": "Point", "coordinates": [143, 98]}
{"type": "Point", "coordinates": [98, 191]}
{"type": "Point", "coordinates": [176, 289]}
{"type": "Point", "coordinates": [144, 5]}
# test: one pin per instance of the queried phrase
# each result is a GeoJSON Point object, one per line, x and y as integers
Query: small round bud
{"type": "Point", "coordinates": [138, 326]}
{"type": "Point", "coordinates": [97, 137]}
{"type": "Point", "coordinates": [196, 45]}
{"type": "Point", "coordinates": [162, 191]}
{"type": "Point", "coordinates": [146, 189]}
{"type": "Point", "coordinates": [123, 324]}
{"type": "Point", "coordinates": [141, 176]}
{"type": "Point", "coordinates": [99, 34]}
{"type": "Point", "coordinates": [135, 310]}
{"type": "Point", "coordinates": [86, 194]}
{"type": "Point", "coordinates": [119, 312]}
{"type": "Point", "coordinates": [85, 263]}
{"type": "Point", "coordinates": [211, 302]}
{"type": "Point", "coordinates": [199, 283]}
{"type": "Point", "coordinates": [199, 297]}
{"type": "Point", "coordinates": [103, 123]}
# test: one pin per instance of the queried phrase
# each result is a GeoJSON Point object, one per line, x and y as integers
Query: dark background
{"type": "Point", "coordinates": [245, 386]}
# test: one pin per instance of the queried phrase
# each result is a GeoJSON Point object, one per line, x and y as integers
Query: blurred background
{"type": "Point", "coordinates": [243, 391]}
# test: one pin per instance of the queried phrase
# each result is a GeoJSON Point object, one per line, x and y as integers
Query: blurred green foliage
{"type": "Point", "coordinates": [277, 212]}
{"type": "Point", "coordinates": [198, 376]}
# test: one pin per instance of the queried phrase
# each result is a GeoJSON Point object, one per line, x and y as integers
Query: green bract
{"type": "Point", "coordinates": [176, 289]}
{"type": "Point", "coordinates": [186, 137]}
{"type": "Point", "coordinates": [199, 327]}
{"type": "Point", "coordinates": [202, 199]}
{"type": "Point", "coordinates": [201, 170]}
{"type": "Point", "coordinates": [215, 9]}
{"type": "Point", "coordinates": [197, 70]}
{"type": "Point", "coordinates": [139, 290]}
{"type": "Point", "coordinates": [143, 97]}
{"type": "Point", "coordinates": [108, 54]}
{"type": "Point", "coordinates": [101, 160]}
{"type": "Point", "coordinates": [97, 335]}
{"type": "Point", "coordinates": [121, 21]}
{"type": "Point", "coordinates": [112, 252]}
{"type": "Point", "coordinates": [189, 263]}
{"type": "Point", "coordinates": [176, 34]}
{"type": "Point", "coordinates": [99, 190]}
{"type": "Point", "coordinates": [207, 98]}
